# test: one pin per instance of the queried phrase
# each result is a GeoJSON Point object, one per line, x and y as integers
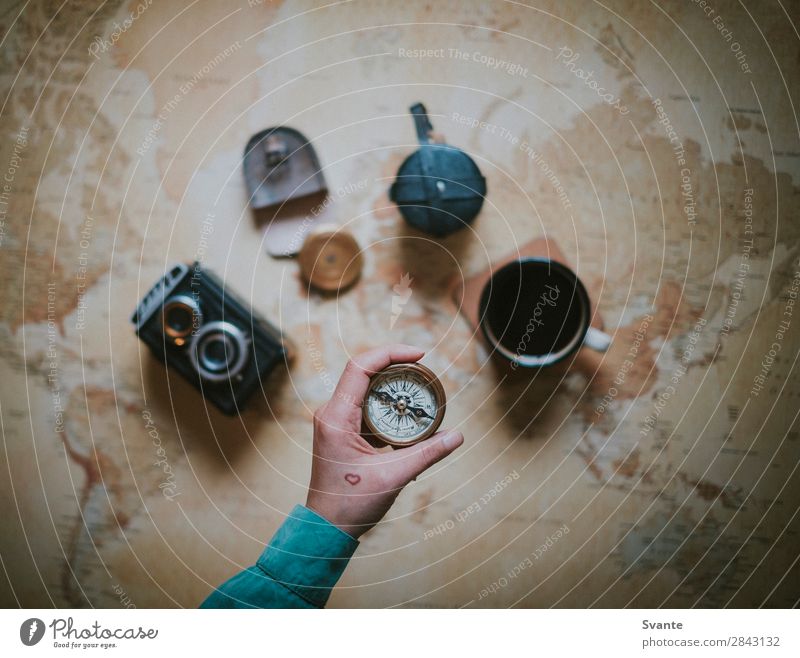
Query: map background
{"type": "Point", "coordinates": [701, 510]}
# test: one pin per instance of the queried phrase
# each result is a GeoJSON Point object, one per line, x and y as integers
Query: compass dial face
{"type": "Point", "coordinates": [405, 404]}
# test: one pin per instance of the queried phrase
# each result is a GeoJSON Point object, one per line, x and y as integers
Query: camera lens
{"type": "Point", "coordinates": [181, 316]}
{"type": "Point", "coordinates": [214, 353]}
{"type": "Point", "coordinates": [219, 351]}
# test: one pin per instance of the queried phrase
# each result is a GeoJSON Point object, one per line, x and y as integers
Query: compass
{"type": "Point", "coordinates": [404, 405]}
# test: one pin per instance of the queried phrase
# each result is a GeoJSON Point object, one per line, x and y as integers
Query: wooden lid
{"type": "Point", "coordinates": [330, 258]}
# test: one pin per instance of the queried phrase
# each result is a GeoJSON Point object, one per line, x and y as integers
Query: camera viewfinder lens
{"type": "Point", "coordinates": [180, 318]}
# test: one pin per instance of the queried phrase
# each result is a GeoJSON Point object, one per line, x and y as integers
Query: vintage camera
{"type": "Point", "coordinates": [193, 324]}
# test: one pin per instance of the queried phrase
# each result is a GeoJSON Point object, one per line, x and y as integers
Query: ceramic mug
{"type": "Point", "coordinates": [535, 312]}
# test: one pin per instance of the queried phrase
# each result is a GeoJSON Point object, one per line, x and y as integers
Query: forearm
{"type": "Point", "coordinates": [298, 569]}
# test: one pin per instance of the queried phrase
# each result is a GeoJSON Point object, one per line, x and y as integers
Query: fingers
{"type": "Point", "coordinates": [425, 454]}
{"type": "Point", "coordinates": [354, 382]}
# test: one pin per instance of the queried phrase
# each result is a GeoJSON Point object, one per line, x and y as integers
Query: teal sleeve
{"type": "Point", "coordinates": [298, 569]}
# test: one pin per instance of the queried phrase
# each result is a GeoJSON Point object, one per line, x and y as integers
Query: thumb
{"type": "Point", "coordinates": [425, 454]}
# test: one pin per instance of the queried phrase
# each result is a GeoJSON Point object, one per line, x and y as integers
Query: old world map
{"type": "Point", "coordinates": [656, 143]}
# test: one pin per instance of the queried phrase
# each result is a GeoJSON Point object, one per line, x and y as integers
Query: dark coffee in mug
{"type": "Point", "coordinates": [535, 312]}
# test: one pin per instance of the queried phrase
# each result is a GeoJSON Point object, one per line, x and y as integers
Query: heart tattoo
{"type": "Point", "coordinates": [352, 478]}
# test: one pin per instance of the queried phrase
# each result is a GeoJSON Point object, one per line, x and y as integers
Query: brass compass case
{"type": "Point", "coordinates": [404, 372]}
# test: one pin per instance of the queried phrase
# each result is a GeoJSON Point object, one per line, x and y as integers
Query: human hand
{"type": "Point", "coordinates": [352, 483]}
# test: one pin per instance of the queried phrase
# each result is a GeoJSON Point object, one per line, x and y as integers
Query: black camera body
{"type": "Point", "coordinates": [193, 324]}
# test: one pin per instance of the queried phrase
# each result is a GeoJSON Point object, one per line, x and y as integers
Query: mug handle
{"type": "Point", "coordinates": [597, 340]}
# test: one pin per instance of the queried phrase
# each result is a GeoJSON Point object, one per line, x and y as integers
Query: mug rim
{"type": "Point", "coordinates": [551, 358]}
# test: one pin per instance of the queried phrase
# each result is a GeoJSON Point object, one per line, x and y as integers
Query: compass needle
{"type": "Point", "coordinates": [409, 405]}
